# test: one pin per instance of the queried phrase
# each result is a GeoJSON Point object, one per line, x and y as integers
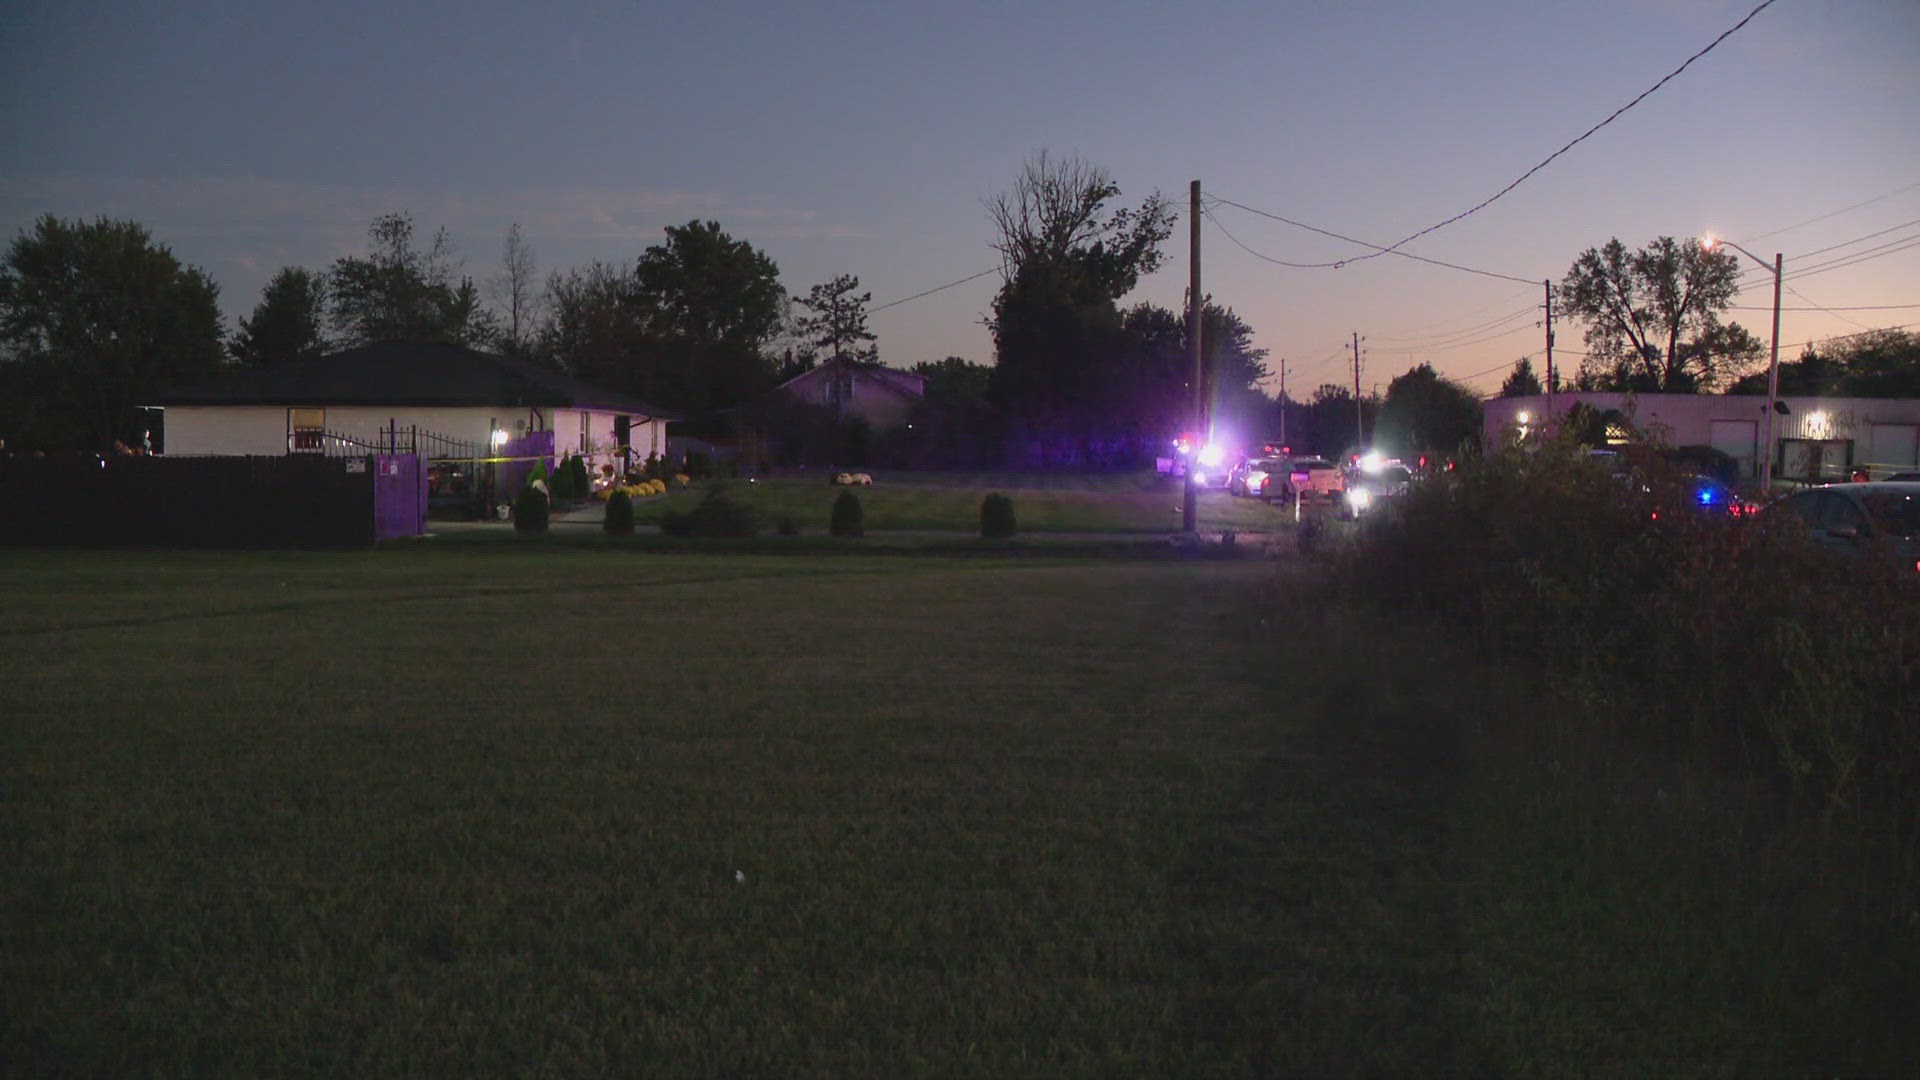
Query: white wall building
{"type": "Point", "coordinates": [1816, 440]}
{"type": "Point", "coordinates": [453, 401]}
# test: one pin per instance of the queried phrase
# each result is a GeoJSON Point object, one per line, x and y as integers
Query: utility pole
{"type": "Point", "coordinates": [1283, 404]}
{"type": "Point", "coordinates": [1359, 418]}
{"type": "Point", "coordinates": [1549, 290]}
{"type": "Point", "coordinates": [1187, 515]}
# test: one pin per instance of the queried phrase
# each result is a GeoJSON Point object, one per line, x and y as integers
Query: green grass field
{"type": "Point", "coordinates": [1102, 503]}
{"type": "Point", "coordinates": [495, 809]}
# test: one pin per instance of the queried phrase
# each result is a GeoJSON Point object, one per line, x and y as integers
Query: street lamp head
{"type": "Point", "coordinates": [1708, 241]}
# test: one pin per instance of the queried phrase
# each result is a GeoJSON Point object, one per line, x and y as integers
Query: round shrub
{"type": "Point", "coordinates": [530, 511]}
{"type": "Point", "coordinates": [847, 517]}
{"type": "Point", "coordinates": [996, 517]}
{"type": "Point", "coordinates": [619, 519]}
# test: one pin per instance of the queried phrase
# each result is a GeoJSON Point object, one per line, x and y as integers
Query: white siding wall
{"type": "Point", "coordinates": [226, 430]}
{"type": "Point", "coordinates": [262, 429]}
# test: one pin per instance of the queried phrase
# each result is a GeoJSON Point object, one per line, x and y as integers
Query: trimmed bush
{"type": "Point", "coordinates": [530, 511]}
{"type": "Point", "coordinates": [569, 479]}
{"type": "Point", "coordinates": [787, 527]}
{"type": "Point", "coordinates": [848, 517]}
{"type": "Point", "coordinates": [619, 519]}
{"type": "Point", "coordinates": [716, 515]}
{"type": "Point", "coordinates": [996, 517]}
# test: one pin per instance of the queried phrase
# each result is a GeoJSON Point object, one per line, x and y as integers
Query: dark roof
{"type": "Point", "coordinates": [407, 373]}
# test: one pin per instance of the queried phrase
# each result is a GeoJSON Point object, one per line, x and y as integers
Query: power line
{"type": "Point", "coordinates": [1817, 307]}
{"type": "Point", "coordinates": [1378, 250]}
{"type": "Point", "coordinates": [1891, 247]}
{"type": "Point", "coordinates": [1855, 240]}
{"type": "Point", "coordinates": [1466, 331]}
{"type": "Point", "coordinates": [1842, 210]}
{"type": "Point", "coordinates": [930, 292]}
{"type": "Point", "coordinates": [1610, 119]}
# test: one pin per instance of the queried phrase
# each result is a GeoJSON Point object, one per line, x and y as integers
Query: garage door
{"type": "Point", "coordinates": [1736, 439]}
{"type": "Point", "coordinates": [1894, 448]}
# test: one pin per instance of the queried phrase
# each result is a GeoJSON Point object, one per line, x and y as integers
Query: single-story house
{"type": "Point", "coordinates": [881, 395]}
{"type": "Point", "coordinates": [451, 401]}
{"type": "Point", "coordinates": [838, 389]}
{"type": "Point", "coordinates": [1815, 439]}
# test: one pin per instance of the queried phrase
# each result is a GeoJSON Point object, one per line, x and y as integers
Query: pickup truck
{"type": "Point", "coordinates": [1313, 478]}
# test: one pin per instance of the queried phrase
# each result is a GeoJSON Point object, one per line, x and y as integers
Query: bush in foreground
{"type": "Point", "coordinates": [996, 517]}
{"type": "Point", "coordinates": [848, 517]}
{"type": "Point", "coordinates": [619, 519]}
{"type": "Point", "coordinates": [1731, 635]}
{"type": "Point", "coordinates": [530, 511]}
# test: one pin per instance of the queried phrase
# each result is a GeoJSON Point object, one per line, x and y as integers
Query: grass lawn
{"type": "Point", "coordinates": [1092, 503]}
{"type": "Point", "coordinates": [485, 809]}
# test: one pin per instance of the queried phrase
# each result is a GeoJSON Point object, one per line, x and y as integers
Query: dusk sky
{"type": "Point", "coordinates": [863, 138]}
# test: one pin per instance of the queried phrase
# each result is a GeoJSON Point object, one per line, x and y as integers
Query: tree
{"type": "Point", "coordinates": [954, 381]}
{"type": "Point", "coordinates": [513, 289]}
{"type": "Point", "coordinates": [837, 323]}
{"type": "Point", "coordinates": [398, 292]}
{"type": "Point", "coordinates": [709, 305]}
{"type": "Point", "coordinates": [1653, 316]}
{"type": "Point", "coordinates": [1423, 411]}
{"type": "Point", "coordinates": [288, 321]}
{"type": "Point", "coordinates": [97, 318]}
{"type": "Point", "coordinates": [1522, 382]}
{"type": "Point", "coordinates": [1066, 261]}
{"type": "Point", "coordinates": [589, 329]}
{"type": "Point", "coordinates": [1879, 363]}
{"type": "Point", "coordinates": [1233, 371]}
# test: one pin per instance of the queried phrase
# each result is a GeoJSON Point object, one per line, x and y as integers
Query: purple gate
{"type": "Point", "coordinates": [399, 495]}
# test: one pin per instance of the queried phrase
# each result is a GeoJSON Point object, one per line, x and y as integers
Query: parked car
{"type": "Point", "coordinates": [1257, 478]}
{"type": "Point", "coordinates": [1369, 490]}
{"type": "Point", "coordinates": [1855, 518]}
{"type": "Point", "coordinates": [1313, 478]}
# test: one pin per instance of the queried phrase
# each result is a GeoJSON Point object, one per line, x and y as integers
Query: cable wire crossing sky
{"type": "Point", "coordinates": [1490, 142]}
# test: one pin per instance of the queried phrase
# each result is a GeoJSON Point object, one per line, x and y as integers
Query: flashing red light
{"type": "Point", "coordinates": [1286, 449]}
{"type": "Point", "coordinates": [1423, 461]}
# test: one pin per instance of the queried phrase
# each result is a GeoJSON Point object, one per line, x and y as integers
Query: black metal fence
{"type": "Point", "coordinates": [296, 501]}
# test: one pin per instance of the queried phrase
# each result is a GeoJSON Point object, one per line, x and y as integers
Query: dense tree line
{"type": "Point", "coordinates": [96, 317]}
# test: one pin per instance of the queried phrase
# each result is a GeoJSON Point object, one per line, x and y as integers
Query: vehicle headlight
{"type": "Point", "coordinates": [1359, 498]}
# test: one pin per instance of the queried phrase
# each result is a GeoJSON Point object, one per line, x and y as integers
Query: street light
{"type": "Point", "coordinates": [1773, 357]}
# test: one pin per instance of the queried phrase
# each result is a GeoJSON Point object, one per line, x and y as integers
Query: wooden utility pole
{"type": "Point", "coordinates": [1549, 286]}
{"type": "Point", "coordinates": [1187, 514]}
{"type": "Point", "coordinates": [1359, 417]}
{"type": "Point", "coordinates": [1283, 404]}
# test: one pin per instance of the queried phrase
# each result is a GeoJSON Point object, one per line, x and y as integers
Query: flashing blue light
{"type": "Point", "coordinates": [1705, 496]}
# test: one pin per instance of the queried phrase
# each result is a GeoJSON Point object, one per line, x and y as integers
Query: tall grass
{"type": "Point", "coordinates": [1734, 636]}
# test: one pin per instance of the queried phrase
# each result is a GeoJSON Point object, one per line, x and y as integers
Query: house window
{"type": "Point", "coordinates": [306, 428]}
{"type": "Point", "coordinates": [839, 390]}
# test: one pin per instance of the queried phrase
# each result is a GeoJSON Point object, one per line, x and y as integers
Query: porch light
{"type": "Point", "coordinates": [499, 438]}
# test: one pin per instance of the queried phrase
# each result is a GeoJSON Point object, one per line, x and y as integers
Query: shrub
{"type": "Point", "coordinates": [847, 519]}
{"type": "Point", "coordinates": [530, 511]}
{"type": "Point", "coordinates": [996, 517]}
{"type": "Point", "coordinates": [577, 481]}
{"type": "Point", "coordinates": [699, 465]}
{"type": "Point", "coordinates": [1724, 635]}
{"type": "Point", "coordinates": [619, 519]}
{"type": "Point", "coordinates": [654, 468]}
{"type": "Point", "coordinates": [787, 527]}
{"type": "Point", "coordinates": [716, 515]}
